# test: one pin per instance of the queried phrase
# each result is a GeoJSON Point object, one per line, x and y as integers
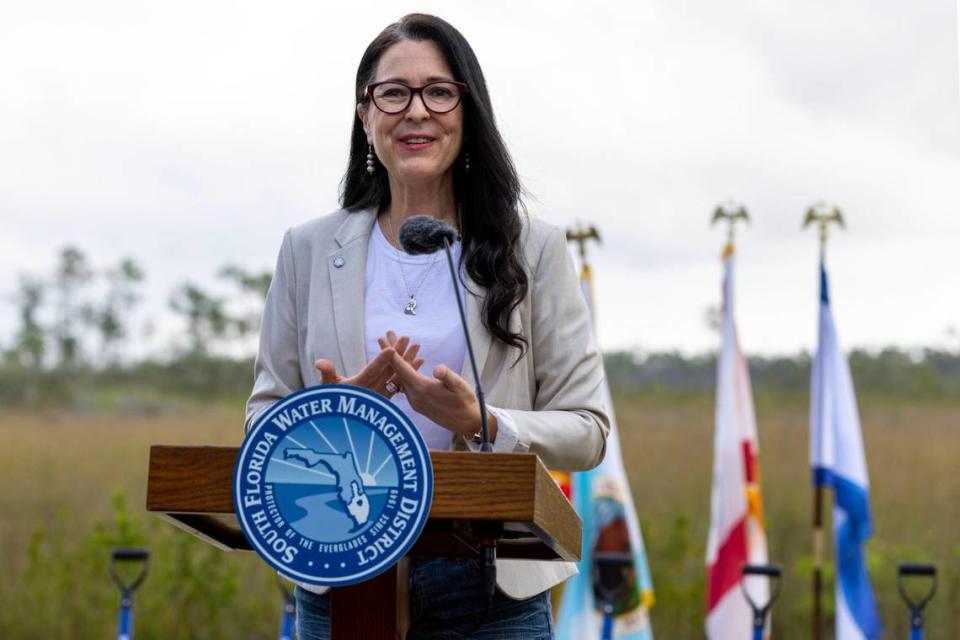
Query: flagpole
{"type": "Point", "coordinates": [581, 235]}
{"type": "Point", "coordinates": [817, 562]}
{"type": "Point", "coordinates": [736, 536]}
{"type": "Point", "coordinates": [821, 214]}
{"type": "Point", "coordinates": [582, 610]}
{"type": "Point", "coordinates": [732, 213]}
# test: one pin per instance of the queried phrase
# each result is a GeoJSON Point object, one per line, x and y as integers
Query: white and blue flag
{"type": "Point", "coordinates": [838, 461]}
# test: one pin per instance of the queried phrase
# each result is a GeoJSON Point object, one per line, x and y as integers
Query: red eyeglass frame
{"type": "Point", "coordinates": [463, 88]}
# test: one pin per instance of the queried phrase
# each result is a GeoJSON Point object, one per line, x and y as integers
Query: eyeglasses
{"type": "Point", "coordinates": [438, 97]}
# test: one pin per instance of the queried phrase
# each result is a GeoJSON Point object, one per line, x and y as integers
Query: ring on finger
{"type": "Point", "coordinates": [392, 387]}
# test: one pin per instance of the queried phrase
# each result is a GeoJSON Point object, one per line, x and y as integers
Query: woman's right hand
{"type": "Point", "coordinates": [379, 371]}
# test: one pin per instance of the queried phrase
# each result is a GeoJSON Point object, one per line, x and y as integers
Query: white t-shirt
{"type": "Point", "coordinates": [391, 277]}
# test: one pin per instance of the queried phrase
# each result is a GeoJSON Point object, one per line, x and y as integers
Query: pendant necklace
{"type": "Point", "coordinates": [410, 308]}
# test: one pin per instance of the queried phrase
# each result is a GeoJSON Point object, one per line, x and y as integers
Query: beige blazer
{"type": "Point", "coordinates": [314, 309]}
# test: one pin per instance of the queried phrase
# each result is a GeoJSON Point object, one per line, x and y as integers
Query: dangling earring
{"type": "Point", "coordinates": [466, 162]}
{"type": "Point", "coordinates": [370, 166]}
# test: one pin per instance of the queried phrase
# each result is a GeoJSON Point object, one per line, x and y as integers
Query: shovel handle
{"type": "Point", "coordinates": [910, 569]}
{"type": "Point", "coordinates": [774, 574]}
{"type": "Point", "coordinates": [769, 570]}
{"type": "Point", "coordinates": [129, 555]}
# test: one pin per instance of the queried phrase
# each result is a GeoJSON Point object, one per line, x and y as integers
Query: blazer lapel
{"type": "Point", "coordinates": [347, 269]}
{"type": "Point", "coordinates": [479, 336]}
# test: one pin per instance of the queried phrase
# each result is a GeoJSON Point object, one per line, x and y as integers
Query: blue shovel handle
{"type": "Point", "coordinates": [927, 572]}
{"type": "Point", "coordinates": [606, 632]}
{"type": "Point", "coordinates": [286, 622]}
{"type": "Point", "coordinates": [125, 622]}
{"type": "Point", "coordinates": [137, 556]}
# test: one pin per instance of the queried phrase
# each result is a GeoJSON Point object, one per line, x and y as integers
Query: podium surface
{"type": "Point", "coordinates": [192, 488]}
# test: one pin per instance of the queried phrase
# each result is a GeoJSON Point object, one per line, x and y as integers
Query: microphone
{"type": "Point", "coordinates": [424, 235]}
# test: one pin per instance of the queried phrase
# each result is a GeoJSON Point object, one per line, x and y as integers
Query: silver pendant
{"type": "Point", "coordinates": [411, 308]}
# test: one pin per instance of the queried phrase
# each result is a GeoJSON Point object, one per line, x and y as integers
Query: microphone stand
{"type": "Point", "coordinates": [488, 532]}
{"type": "Point", "coordinates": [484, 431]}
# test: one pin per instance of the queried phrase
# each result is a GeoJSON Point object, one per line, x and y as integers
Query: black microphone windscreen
{"type": "Point", "coordinates": [423, 234]}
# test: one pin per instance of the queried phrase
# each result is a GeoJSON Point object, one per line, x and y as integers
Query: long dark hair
{"type": "Point", "coordinates": [488, 195]}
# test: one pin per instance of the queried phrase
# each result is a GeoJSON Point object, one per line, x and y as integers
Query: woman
{"type": "Point", "coordinates": [424, 142]}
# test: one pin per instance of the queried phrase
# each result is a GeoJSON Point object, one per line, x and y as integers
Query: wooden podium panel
{"type": "Point", "coordinates": [192, 487]}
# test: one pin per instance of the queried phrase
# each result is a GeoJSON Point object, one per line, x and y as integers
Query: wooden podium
{"type": "Point", "coordinates": [192, 488]}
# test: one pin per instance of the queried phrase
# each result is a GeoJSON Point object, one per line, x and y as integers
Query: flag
{"type": "Point", "coordinates": [603, 501]}
{"type": "Point", "coordinates": [837, 460]}
{"type": "Point", "coordinates": [564, 480]}
{"type": "Point", "coordinates": [737, 534]}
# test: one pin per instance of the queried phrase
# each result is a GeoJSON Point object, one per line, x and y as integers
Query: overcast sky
{"type": "Point", "coordinates": [192, 134]}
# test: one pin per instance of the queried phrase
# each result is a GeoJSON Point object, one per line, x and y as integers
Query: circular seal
{"type": "Point", "coordinates": [332, 485]}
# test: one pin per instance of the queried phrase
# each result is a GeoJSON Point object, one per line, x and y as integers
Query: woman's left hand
{"type": "Point", "coordinates": [445, 398]}
{"type": "Point", "coordinates": [378, 374]}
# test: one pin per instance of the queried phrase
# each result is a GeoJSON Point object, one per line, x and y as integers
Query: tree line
{"type": "Point", "coordinates": [73, 343]}
{"type": "Point", "coordinates": [923, 374]}
{"type": "Point", "coordinates": [75, 333]}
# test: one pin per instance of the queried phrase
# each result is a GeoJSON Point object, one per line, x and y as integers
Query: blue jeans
{"type": "Point", "coordinates": [445, 597]}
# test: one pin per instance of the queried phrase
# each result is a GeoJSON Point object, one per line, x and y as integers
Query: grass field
{"type": "Point", "coordinates": [913, 455]}
{"type": "Point", "coordinates": [73, 487]}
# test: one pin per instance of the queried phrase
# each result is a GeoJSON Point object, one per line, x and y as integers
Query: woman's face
{"type": "Point", "coordinates": [416, 145]}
